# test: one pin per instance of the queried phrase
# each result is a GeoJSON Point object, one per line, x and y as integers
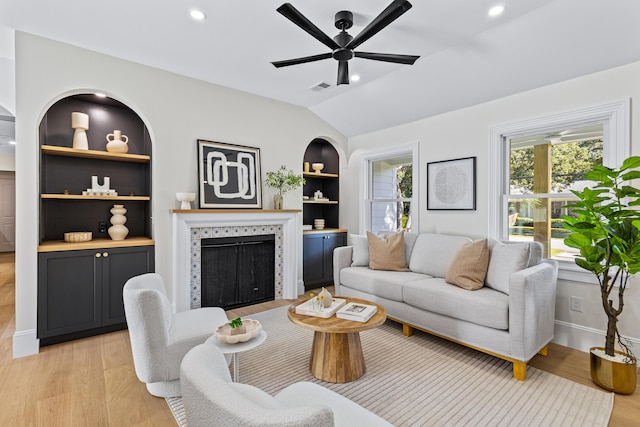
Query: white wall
{"type": "Point", "coordinates": [465, 133]}
{"type": "Point", "coordinates": [177, 111]}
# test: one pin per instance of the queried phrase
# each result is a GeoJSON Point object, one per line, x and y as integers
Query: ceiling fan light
{"type": "Point", "coordinates": [496, 10]}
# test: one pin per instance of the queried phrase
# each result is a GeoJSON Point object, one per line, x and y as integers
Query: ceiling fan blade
{"type": "Point", "coordinates": [301, 60]}
{"type": "Point", "coordinates": [291, 13]}
{"type": "Point", "coordinates": [388, 57]}
{"type": "Point", "coordinates": [343, 73]}
{"type": "Point", "coordinates": [390, 14]}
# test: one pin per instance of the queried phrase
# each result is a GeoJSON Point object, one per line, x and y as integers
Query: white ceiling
{"type": "Point", "coordinates": [466, 57]}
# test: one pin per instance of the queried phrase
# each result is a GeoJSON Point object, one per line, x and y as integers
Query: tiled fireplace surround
{"type": "Point", "coordinates": [190, 226]}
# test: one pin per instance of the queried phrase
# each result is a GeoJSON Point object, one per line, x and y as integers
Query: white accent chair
{"type": "Point", "coordinates": [159, 338]}
{"type": "Point", "coordinates": [211, 399]}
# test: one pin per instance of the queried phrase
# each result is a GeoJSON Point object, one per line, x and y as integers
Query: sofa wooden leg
{"type": "Point", "coordinates": [544, 350]}
{"type": "Point", "coordinates": [519, 370]}
{"type": "Point", "coordinates": [407, 330]}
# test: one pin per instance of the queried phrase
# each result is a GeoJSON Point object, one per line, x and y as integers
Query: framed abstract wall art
{"type": "Point", "coordinates": [228, 176]}
{"type": "Point", "coordinates": [451, 184]}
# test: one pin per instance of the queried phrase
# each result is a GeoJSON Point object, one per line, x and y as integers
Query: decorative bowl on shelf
{"type": "Point", "coordinates": [317, 167]}
{"type": "Point", "coordinates": [224, 332]}
{"type": "Point", "coordinates": [186, 199]}
{"type": "Point", "coordinates": [78, 236]}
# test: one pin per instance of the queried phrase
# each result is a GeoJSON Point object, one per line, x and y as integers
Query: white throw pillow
{"type": "Point", "coordinates": [360, 255]}
{"type": "Point", "coordinates": [506, 260]}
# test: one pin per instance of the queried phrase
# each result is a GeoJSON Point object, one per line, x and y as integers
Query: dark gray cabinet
{"type": "Point", "coordinates": [80, 292]}
{"type": "Point", "coordinates": [318, 256]}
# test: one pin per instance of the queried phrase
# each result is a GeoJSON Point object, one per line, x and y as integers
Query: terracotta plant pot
{"type": "Point", "coordinates": [618, 377]}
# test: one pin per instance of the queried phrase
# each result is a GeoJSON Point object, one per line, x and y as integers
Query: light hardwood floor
{"type": "Point", "coordinates": [91, 382]}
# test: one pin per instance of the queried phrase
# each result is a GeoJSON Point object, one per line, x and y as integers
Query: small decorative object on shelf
{"type": "Point", "coordinates": [80, 122]}
{"type": "Point", "coordinates": [306, 167]}
{"type": "Point", "coordinates": [356, 311]}
{"type": "Point", "coordinates": [225, 333]}
{"type": "Point", "coordinates": [118, 231]}
{"type": "Point", "coordinates": [117, 143]}
{"type": "Point", "coordinates": [317, 167]}
{"type": "Point", "coordinates": [318, 223]}
{"type": "Point", "coordinates": [99, 190]}
{"type": "Point", "coordinates": [186, 199]}
{"type": "Point", "coordinates": [78, 236]}
{"type": "Point", "coordinates": [283, 180]}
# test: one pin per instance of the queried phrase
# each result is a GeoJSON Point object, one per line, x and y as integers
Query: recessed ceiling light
{"type": "Point", "coordinates": [496, 10]}
{"type": "Point", "coordinates": [100, 95]}
{"type": "Point", "coordinates": [12, 142]}
{"type": "Point", "coordinates": [198, 15]}
{"type": "Point", "coordinates": [355, 77]}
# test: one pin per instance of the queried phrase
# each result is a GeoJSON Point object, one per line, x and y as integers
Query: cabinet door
{"type": "Point", "coordinates": [332, 241]}
{"type": "Point", "coordinates": [118, 266]}
{"type": "Point", "coordinates": [68, 292]}
{"type": "Point", "coordinates": [313, 258]}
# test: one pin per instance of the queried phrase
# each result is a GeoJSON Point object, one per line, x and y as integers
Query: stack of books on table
{"type": "Point", "coordinates": [356, 311]}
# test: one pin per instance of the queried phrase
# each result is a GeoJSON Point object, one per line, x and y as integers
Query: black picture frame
{"type": "Point", "coordinates": [229, 176]}
{"type": "Point", "coordinates": [451, 184]}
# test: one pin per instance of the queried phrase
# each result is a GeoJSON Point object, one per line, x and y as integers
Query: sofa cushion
{"type": "Point", "coordinates": [387, 253]}
{"type": "Point", "coordinates": [432, 253]}
{"type": "Point", "coordinates": [385, 284]}
{"type": "Point", "coordinates": [485, 306]}
{"type": "Point", "coordinates": [469, 268]}
{"type": "Point", "coordinates": [360, 254]}
{"type": "Point", "coordinates": [505, 260]}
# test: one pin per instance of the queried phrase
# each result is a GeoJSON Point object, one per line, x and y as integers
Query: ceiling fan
{"type": "Point", "coordinates": [342, 45]}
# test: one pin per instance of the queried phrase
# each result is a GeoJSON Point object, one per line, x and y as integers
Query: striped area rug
{"type": "Point", "coordinates": [424, 381]}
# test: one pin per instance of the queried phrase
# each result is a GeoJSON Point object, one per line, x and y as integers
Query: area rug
{"type": "Point", "coordinates": [424, 380]}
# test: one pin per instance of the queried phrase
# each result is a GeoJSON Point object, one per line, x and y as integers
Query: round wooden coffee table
{"type": "Point", "coordinates": [336, 355]}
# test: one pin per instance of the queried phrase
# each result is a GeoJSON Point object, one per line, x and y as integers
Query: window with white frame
{"type": "Point", "coordinates": [538, 162]}
{"type": "Point", "coordinates": [389, 191]}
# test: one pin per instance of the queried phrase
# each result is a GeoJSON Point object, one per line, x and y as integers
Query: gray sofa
{"type": "Point", "coordinates": [510, 317]}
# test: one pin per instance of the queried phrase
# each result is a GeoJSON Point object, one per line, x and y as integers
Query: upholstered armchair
{"type": "Point", "coordinates": [160, 338]}
{"type": "Point", "coordinates": [211, 399]}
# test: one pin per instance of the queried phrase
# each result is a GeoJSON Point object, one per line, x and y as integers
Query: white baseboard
{"type": "Point", "coordinates": [25, 343]}
{"type": "Point", "coordinates": [580, 337]}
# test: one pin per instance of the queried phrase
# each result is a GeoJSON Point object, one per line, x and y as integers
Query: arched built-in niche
{"type": "Point", "coordinates": [95, 268]}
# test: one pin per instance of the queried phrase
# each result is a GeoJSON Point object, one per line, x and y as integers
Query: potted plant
{"type": "Point", "coordinates": [283, 180]}
{"type": "Point", "coordinates": [605, 228]}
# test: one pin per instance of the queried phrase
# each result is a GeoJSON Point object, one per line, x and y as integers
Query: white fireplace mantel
{"type": "Point", "coordinates": [185, 221]}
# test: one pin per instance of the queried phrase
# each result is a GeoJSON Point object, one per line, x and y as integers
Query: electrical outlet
{"type": "Point", "coordinates": [575, 303]}
{"type": "Point", "coordinates": [102, 227]}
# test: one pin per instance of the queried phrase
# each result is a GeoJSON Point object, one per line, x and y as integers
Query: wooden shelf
{"type": "Point", "coordinates": [99, 243]}
{"type": "Point", "coordinates": [94, 154]}
{"type": "Point", "coordinates": [81, 197]}
{"type": "Point", "coordinates": [320, 202]}
{"type": "Point", "coordinates": [325, 230]}
{"type": "Point", "coordinates": [320, 175]}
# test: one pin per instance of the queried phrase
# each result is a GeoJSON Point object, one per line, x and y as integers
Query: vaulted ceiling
{"type": "Point", "coordinates": [466, 57]}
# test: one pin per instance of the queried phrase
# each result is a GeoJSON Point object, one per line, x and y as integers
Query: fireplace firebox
{"type": "Point", "coordinates": [237, 271]}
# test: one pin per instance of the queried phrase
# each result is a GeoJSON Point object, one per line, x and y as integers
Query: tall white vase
{"type": "Point", "coordinates": [118, 231]}
{"type": "Point", "coordinates": [80, 122]}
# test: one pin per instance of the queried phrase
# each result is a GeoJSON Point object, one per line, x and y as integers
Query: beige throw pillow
{"type": "Point", "coordinates": [469, 267]}
{"type": "Point", "coordinates": [387, 253]}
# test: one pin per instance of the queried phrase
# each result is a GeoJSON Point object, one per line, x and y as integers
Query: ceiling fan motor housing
{"type": "Point", "coordinates": [344, 20]}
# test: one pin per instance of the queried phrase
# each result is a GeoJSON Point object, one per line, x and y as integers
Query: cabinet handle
{"type": "Point", "coordinates": [105, 254]}
{"type": "Point", "coordinates": [98, 255]}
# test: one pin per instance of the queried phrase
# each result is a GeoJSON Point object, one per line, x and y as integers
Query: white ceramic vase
{"type": "Point", "coordinates": [117, 142]}
{"type": "Point", "coordinates": [118, 231]}
{"type": "Point", "coordinates": [80, 122]}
